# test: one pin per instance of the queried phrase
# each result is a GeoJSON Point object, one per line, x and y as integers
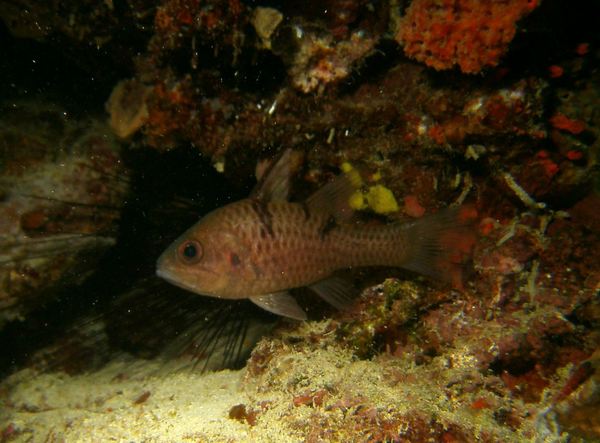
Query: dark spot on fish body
{"type": "Point", "coordinates": [329, 225]}
{"type": "Point", "coordinates": [234, 259]}
{"type": "Point", "coordinates": [263, 232]}
{"type": "Point", "coordinates": [264, 216]}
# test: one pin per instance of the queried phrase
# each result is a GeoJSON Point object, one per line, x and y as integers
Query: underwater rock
{"type": "Point", "coordinates": [576, 404]}
{"type": "Point", "coordinates": [63, 186]}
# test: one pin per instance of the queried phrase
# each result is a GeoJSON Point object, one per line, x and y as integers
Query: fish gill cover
{"type": "Point", "coordinates": [123, 123]}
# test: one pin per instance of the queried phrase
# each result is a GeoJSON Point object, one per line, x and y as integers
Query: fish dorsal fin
{"type": "Point", "coordinates": [334, 198]}
{"type": "Point", "coordinates": [336, 291]}
{"type": "Point", "coordinates": [274, 183]}
{"type": "Point", "coordinates": [280, 303]}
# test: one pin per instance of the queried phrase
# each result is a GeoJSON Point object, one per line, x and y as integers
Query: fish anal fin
{"type": "Point", "coordinates": [280, 303]}
{"type": "Point", "coordinates": [274, 181]}
{"type": "Point", "coordinates": [336, 291]}
{"type": "Point", "coordinates": [334, 198]}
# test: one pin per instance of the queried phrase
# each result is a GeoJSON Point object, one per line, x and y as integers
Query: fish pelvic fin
{"type": "Point", "coordinates": [442, 243]}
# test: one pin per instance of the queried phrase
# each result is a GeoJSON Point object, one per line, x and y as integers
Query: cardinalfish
{"type": "Point", "coordinates": [262, 246]}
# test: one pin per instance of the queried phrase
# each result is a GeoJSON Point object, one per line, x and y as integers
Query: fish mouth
{"type": "Point", "coordinates": [170, 278]}
{"type": "Point", "coordinates": [173, 279]}
{"type": "Point", "coordinates": [165, 275]}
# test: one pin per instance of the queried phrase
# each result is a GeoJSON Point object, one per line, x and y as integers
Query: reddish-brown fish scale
{"type": "Point", "coordinates": [292, 246]}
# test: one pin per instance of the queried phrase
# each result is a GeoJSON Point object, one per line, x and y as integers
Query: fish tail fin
{"type": "Point", "coordinates": [441, 244]}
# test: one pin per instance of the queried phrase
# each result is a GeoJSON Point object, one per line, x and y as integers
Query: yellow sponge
{"type": "Point", "coordinates": [358, 201]}
{"type": "Point", "coordinates": [352, 174]}
{"type": "Point", "coordinates": [378, 198]}
{"type": "Point", "coordinates": [381, 200]}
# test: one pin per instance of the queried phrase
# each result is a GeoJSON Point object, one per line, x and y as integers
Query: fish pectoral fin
{"type": "Point", "coordinates": [280, 303]}
{"type": "Point", "coordinates": [274, 184]}
{"type": "Point", "coordinates": [334, 199]}
{"type": "Point", "coordinates": [336, 291]}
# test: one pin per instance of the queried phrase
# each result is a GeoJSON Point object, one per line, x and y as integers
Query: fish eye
{"type": "Point", "coordinates": [190, 251]}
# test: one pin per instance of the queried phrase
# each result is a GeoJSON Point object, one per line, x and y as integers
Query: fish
{"type": "Point", "coordinates": [261, 247]}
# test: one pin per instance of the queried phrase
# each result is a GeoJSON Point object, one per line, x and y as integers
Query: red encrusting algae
{"type": "Point", "coordinates": [556, 71]}
{"type": "Point", "coordinates": [469, 33]}
{"type": "Point", "coordinates": [564, 123]}
{"type": "Point", "coordinates": [574, 155]}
